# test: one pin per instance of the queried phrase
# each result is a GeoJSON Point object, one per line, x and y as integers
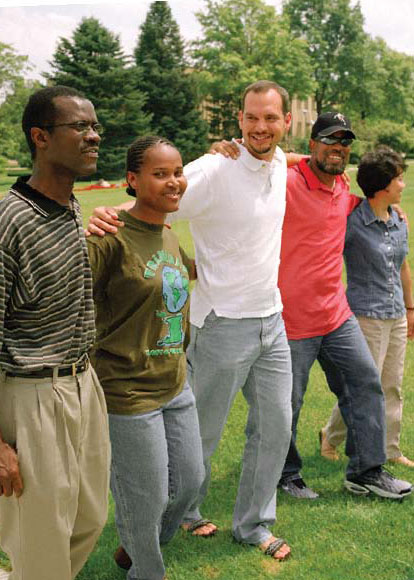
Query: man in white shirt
{"type": "Point", "coordinates": [238, 339]}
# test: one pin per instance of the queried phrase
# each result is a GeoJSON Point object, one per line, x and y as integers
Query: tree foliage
{"type": "Point", "coordinates": [12, 140]}
{"type": "Point", "coordinates": [244, 41]}
{"type": "Point", "coordinates": [172, 99]}
{"type": "Point", "coordinates": [94, 63]}
{"type": "Point", "coordinates": [14, 92]}
{"type": "Point", "coordinates": [333, 30]}
{"type": "Point", "coordinates": [12, 68]}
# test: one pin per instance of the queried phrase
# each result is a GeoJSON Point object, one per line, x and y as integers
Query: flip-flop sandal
{"type": "Point", "coordinates": [274, 547]}
{"type": "Point", "coordinates": [199, 524]}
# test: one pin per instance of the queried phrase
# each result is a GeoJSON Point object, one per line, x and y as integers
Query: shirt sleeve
{"type": "Point", "coordinates": [198, 194]}
{"type": "Point", "coordinates": [100, 264]}
{"type": "Point", "coordinates": [8, 275]}
{"type": "Point", "coordinates": [353, 202]}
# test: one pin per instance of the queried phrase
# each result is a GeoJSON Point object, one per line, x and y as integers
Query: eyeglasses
{"type": "Point", "coordinates": [345, 142]}
{"type": "Point", "coordinates": [79, 126]}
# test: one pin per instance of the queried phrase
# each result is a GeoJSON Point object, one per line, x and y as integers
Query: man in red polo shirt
{"type": "Point", "coordinates": [319, 322]}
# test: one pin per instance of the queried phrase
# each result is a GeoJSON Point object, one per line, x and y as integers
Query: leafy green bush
{"type": "Point", "coordinates": [395, 135]}
{"type": "Point", "coordinates": [297, 144]}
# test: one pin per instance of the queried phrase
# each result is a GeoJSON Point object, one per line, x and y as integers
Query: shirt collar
{"type": "Point", "coordinates": [312, 180]}
{"type": "Point", "coordinates": [369, 216]}
{"type": "Point", "coordinates": [41, 203]}
{"type": "Point", "coordinates": [255, 164]}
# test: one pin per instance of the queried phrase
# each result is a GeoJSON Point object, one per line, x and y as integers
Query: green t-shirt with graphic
{"type": "Point", "coordinates": [141, 293]}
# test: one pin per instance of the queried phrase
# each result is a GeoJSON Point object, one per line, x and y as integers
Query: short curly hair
{"type": "Point", "coordinates": [378, 168]}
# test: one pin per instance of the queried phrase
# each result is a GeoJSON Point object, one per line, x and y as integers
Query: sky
{"type": "Point", "coordinates": [34, 28]}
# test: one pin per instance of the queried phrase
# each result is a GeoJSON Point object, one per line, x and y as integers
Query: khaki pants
{"type": "Point", "coordinates": [59, 427]}
{"type": "Point", "coordinates": [387, 341]}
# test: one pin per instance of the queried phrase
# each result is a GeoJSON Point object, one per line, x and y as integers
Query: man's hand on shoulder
{"type": "Point", "coordinates": [10, 479]}
{"type": "Point", "coordinates": [346, 179]}
{"type": "Point", "coordinates": [225, 148]}
{"type": "Point", "coordinates": [104, 220]}
{"type": "Point", "coordinates": [401, 213]}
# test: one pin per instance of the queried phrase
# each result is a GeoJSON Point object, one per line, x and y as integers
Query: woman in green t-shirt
{"type": "Point", "coordinates": [141, 291]}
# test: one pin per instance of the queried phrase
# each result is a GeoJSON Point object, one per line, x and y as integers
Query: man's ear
{"type": "Point", "coordinates": [240, 117]}
{"type": "Point", "coordinates": [40, 137]}
{"type": "Point", "coordinates": [288, 121]}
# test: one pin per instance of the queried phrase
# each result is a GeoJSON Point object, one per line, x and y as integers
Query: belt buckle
{"type": "Point", "coordinates": [73, 365]}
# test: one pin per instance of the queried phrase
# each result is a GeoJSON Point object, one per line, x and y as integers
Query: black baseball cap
{"type": "Point", "coordinates": [328, 123]}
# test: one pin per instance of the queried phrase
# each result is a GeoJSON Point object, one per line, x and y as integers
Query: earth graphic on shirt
{"type": "Point", "coordinates": [174, 289]}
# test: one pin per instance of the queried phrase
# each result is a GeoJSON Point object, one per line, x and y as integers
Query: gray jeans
{"type": "Point", "coordinates": [156, 473]}
{"type": "Point", "coordinates": [251, 354]}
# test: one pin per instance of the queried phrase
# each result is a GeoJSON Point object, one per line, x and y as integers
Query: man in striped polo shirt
{"type": "Point", "coordinates": [54, 450]}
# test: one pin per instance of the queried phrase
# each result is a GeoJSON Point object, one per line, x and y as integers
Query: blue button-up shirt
{"type": "Point", "coordinates": [374, 253]}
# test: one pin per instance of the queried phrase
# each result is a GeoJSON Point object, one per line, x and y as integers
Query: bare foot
{"type": "Point", "coordinates": [281, 554]}
{"type": "Point", "coordinates": [205, 531]}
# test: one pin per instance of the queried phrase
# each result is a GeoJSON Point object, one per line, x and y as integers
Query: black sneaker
{"type": "Point", "coordinates": [296, 487]}
{"type": "Point", "coordinates": [380, 482]}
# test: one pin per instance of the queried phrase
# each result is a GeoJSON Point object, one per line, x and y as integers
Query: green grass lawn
{"type": "Point", "coordinates": [337, 537]}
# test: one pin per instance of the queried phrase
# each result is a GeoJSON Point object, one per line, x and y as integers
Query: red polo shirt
{"type": "Point", "coordinates": [310, 274]}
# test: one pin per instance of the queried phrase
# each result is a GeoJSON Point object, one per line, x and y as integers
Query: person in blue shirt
{"type": "Point", "coordinates": [379, 291]}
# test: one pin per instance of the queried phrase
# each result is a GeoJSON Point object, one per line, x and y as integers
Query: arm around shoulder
{"type": "Point", "coordinates": [197, 196]}
{"type": "Point", "coordinates": [104, 219]}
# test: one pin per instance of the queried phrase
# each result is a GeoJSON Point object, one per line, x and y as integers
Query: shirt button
{"type": "Point", "coordinates": [391, 294]}
{"type": "Point", "coordinates": [389, 247]}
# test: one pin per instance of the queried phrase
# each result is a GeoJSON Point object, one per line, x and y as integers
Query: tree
{"type": "Point", "coordinates": [12, 140]}
{"type": "Point", "coordinates": [245, 41]}
{"type": "Point", "coordinates": [398, 87]}
{"type": "Point", "coordinates": [333, 30]}
{"type": "Point", "coordinates": [12, 68]}
{"type": "Point", "coordinates": [93, 62]}
{"type": "Point", "coordinates": [172, 99]}
{"type": "Point", "coordinates": [14, 92]}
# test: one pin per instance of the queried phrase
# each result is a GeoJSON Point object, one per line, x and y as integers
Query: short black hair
{"type": "Point", "coordinates": [264, 87]}
{"type": "Point", "coordinates": [136, 153]}
{"type": "Point", "coordinates": [378, 168]}
{"type": "Point", "coordinates": [41, 110]}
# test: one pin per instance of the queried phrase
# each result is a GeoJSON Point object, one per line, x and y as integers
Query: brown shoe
{"type": "Point", "coordinates": [122, 558]}
{"type": "Point", "coordinates": [402, 460]}
{"type": "Point", "coordinates": [328, 451]}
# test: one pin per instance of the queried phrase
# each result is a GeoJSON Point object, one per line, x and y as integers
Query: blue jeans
{"type": "Point", "coordinates": [360, 397]}
{"type": "Point", "coordinates": [251, 354]}
{"type": "Point", "coordinates": [156, 472]}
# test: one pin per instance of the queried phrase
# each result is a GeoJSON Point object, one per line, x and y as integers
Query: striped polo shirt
{"type": "Point", "coordinates": [46, 301]}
